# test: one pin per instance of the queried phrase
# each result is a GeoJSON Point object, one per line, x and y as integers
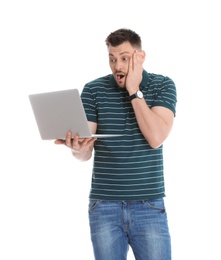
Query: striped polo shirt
{"type": "Point", "coordinates": [125, 168]}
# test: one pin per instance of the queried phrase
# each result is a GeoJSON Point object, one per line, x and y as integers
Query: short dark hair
{"type": "Point", "coordinates": [124, 35]}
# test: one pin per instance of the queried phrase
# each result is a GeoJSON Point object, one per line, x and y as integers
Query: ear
{"type": "Point", "coordinates": [143, 55]}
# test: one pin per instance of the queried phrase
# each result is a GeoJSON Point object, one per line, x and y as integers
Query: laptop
{"type": "Point", "coordinates": [61, 111]}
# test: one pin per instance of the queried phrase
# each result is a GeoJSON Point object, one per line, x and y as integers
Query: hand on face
{"type": "Point", "coordinates": [135, 70]}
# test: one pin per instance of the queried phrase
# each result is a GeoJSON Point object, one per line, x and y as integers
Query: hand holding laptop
{"type": "Point", "coordinates": [81, 148]}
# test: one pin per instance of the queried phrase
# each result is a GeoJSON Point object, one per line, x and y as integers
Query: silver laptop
{"type": "Point", "coordinates": [58, 112]}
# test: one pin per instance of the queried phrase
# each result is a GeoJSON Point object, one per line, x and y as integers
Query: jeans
{"type": "Point", "coordinates": [142, 225]}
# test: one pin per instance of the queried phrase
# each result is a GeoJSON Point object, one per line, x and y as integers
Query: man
{"type": "Point", "coordinates": [126, 205]}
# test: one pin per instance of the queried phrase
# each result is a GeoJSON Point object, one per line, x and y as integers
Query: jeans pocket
{"type": "Point", "coordinates": [157, 204]}
{"type": "Point", "coordinates": [92, 205]}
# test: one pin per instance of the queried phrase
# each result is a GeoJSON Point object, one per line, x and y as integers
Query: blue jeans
{"type": "Point", "coordinates": [142, 225]}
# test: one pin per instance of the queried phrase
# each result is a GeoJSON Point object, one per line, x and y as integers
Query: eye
{"type": "Point", "coordinates": [126, 58]}
{"type": "Point", "coordinates": [112, 60]}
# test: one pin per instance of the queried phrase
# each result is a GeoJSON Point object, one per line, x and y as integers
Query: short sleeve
{"type": "Point", "coordinates": [89, 104]}
{"type": "Point", "coordinates": [166, 95]}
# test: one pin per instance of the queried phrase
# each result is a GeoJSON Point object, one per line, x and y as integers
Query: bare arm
{"type": "Point", "coordinates": [81, 148]}
{"type": "Point", "coordinates": [155, 123]}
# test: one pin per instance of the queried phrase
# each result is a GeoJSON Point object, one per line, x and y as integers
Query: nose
{"type": "Point", "coordinates": [118, 66]}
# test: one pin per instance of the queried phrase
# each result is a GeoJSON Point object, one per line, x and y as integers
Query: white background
{"type": "Point", "coordinates": [52, 45]}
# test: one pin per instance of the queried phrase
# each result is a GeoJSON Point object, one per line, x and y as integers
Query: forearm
{"type": "Point", "coordinates": [155, 124]}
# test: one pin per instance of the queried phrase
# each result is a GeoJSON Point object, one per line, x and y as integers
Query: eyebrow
{"type": "Point", "coordinates": [124, 52]}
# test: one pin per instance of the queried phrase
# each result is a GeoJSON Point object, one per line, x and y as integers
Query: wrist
{"type": "Point", "coordinates": [138, 94]}
{"type": "Point", "coordinates": [133, 90]}
{"type": "Point", "coordinates": [82, 156]}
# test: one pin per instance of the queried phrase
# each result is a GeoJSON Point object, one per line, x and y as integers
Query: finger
{"type": "Point", "coordinates": [131, 63]}
{"type": "Point", "coordinates": [139, 57]}
{"type": "Point", "coordinates": [68, 136]}
{"type": "Point", "coordinates": [59, 141]}
{"type": "Point", "coordinates": [92, 140]}
{"type": "Point", "coordinates": [136, 58]}
{"type": "Point", "coordinates": [75, 142]}
{"type": "Point", "coordinates": [68, 140]}
{"type": "Point", "coordinates": [82, 142]}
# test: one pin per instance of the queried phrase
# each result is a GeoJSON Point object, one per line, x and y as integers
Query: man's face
{"type": "Point", "coordinates": [119, 58]}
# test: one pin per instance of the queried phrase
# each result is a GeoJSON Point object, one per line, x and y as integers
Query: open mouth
{"type": "Point", "coordinates": [120, 76]}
